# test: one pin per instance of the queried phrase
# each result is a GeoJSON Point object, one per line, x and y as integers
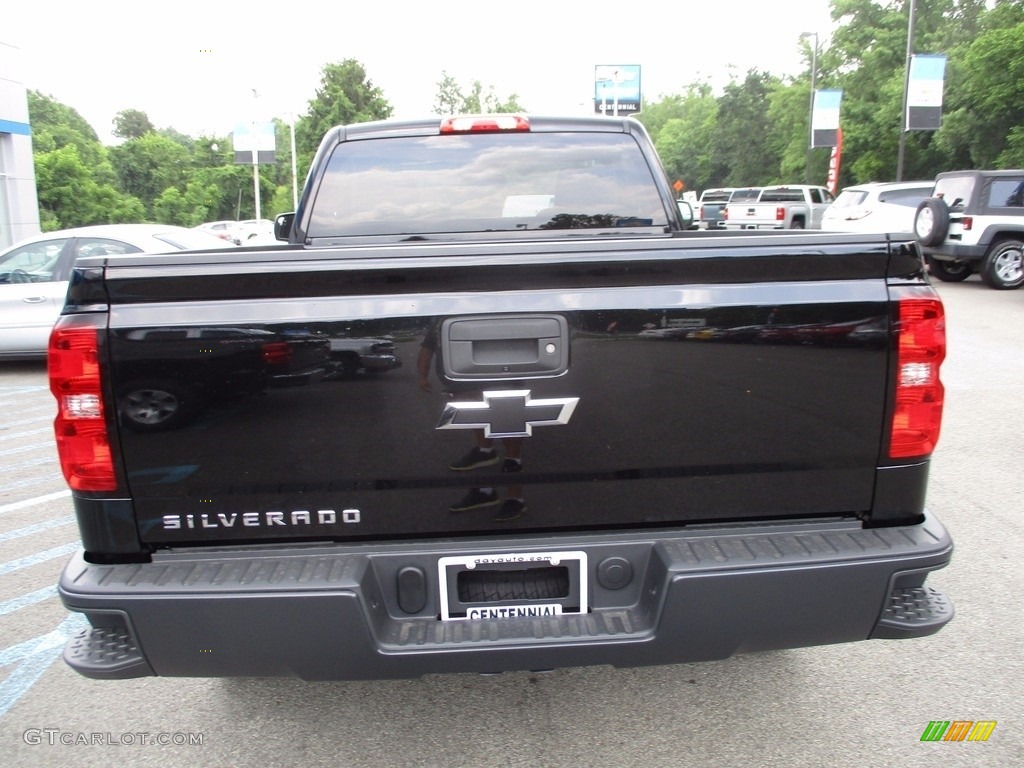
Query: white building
{"type": "Point", "coordinates": [19, 205]}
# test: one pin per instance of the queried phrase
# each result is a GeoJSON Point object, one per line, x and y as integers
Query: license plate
{"type": "Point", "coordinates": [512, 585]}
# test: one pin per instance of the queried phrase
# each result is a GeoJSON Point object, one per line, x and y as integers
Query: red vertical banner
{"type": "Point", "coordinates": [834, 162]}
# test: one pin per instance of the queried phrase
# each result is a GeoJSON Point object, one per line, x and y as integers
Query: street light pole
{"type": "Point", "coordinates": [906, 95]}
{"type": "Point", "coordinates": [295, 183]}
{"type": "Point", "coordinates": [615, 92]}
{"type": "Point", "coordinates": [255, 163]}
{"type": "Point", "coordinates": [810, 117]}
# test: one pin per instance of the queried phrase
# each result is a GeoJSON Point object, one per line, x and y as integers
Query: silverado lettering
{"type": "Point", "coordinates": [495, 405]}
{"type": "Point", "coordinates": [256, 519]}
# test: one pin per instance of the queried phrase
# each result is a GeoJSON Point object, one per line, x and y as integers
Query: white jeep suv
{"type": "Point", "coordinates": [974, 222]}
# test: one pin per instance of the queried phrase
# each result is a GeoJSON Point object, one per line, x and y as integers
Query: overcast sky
{"type": "Point", "coordinates": [194, 65]}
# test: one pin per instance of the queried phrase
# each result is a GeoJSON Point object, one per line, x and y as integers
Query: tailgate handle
{"type": "Point", "coordinates": [504, 346]}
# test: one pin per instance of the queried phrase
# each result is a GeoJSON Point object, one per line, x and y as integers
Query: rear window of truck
{"type": "Point", "coordinates": [745, 196]}
{"type": "Point", "coordinates": [716, 196]}
{"type": "Point", "coordinates": [408, 186]}
{"type": "Point", "coordinates": [782, 196]}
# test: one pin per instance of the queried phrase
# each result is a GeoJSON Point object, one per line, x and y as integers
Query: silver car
{"type": "Point", "coordinates": [34, 274]}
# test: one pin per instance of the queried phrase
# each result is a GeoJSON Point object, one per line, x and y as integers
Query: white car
{"type": "Point", "coordinates": [34, 274]}
{"type": "Point", "coordinates": [221, 229]}
{"type": "Point", "coordinates": [253, 232]}
{"type": "Point", "coordinates": [876, 207]}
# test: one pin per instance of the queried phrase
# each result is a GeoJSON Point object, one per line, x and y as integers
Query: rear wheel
{"type": "Point", "coordinates": [797, 224]}
{"type": "Point", "coordinates": [1003, 267]}
{"type": "Point", "coordinates": [949, 271]}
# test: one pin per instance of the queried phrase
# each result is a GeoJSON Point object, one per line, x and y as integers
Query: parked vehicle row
{"type": "Point", "coordinates": [797, 206]}
{"type": "Point", "coordinates": [34, 274]}
{"type": "Point", "coordinates": [966, 222]}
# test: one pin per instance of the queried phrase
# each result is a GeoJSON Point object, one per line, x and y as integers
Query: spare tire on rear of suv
{"type": "Point", "coordinates": [931, 222]}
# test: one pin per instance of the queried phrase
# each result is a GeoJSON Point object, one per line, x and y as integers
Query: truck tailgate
{"type": "Point", "coordinates": [642, 386]}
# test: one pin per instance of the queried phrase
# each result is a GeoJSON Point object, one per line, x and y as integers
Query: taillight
{"type": "Point", "coordinates": [83, 445]}
{"type": "Point", "coordinates": [968, 223]}
{"type": "Point", "coordinates": [277, 353]}
{"type": "Point", "coordinates": [780, 214]}
{"type": "Point", "coordinates": [485, 124]}
{"type": "Point", "coordinates": [725, 214]}
{"type": "Point", "coordinates": [921, 348]}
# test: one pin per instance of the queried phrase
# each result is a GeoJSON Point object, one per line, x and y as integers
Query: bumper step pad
{"type": "Point", "coordinates": [913, 612]}
{"type": "Point", "coordinates": [106, 653]}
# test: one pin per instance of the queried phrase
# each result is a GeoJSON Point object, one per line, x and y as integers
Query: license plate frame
{"type": "Point", "coordinates": [452, 608]}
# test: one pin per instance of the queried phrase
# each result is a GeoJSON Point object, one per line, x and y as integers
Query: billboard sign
{"type": "Point", "coordinates": [254, 136]}
{"type": "Point", "coordinates": [617, 89]}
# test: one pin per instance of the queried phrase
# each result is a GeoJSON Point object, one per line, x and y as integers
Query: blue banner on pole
{"type": "Point", "coordinates": [924, 92]}
{"type": "Point", "coordinates": [825, 118]}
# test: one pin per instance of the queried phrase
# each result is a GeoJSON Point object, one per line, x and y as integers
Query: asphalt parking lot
{"type": "Point", "coordinates": [850, 705]}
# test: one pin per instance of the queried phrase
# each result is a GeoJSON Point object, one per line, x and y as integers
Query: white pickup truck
{"type": "Point", "coordinates": [786, 207]}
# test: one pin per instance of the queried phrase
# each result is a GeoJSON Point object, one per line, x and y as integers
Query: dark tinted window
{"type": "Point", "coordinates": [485, 182]}
{"type": "Point", "coordinates": [716, 196]}
{"type": "Point", "coordinates": [782, 196]}
{"type": "Point", "coordinates": [745, 196]}
{"type": "Point", "coordinates": [908, 197]}
{"type": "Point", "coordinates": [1006, 193]}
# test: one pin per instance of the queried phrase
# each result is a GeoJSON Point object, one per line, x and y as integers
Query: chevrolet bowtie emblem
{"type": "Point", "coordinates": [509, 413]}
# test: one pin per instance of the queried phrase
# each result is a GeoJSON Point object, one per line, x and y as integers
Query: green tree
{"type": "Point", "coordinates": [452, 100]}
{"type": "Point", "coordinates": [686, 127]}
{"type": "Point", "coordinates": [56, 125]}
{"type": "Point", "coordinates": [131, 124]}
{"type": "Point", "coordinates": [655, 114]}
{"type": "Point", "coordinates": [987, 105]}
{"type": "Point", "coordinates": [75, 180]}
{"type": "Point", "coordinates": [69, 196]}
{"type": "Point", "coordinates": [148, 165]}
{"type": "Point", "coordinates": [345, 95]}
{"type": "Point", "coordinates": [742, 130]}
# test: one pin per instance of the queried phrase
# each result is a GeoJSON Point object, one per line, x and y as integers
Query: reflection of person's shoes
{"type": "Point", "coordinates": [512, 465]}
{"type": "Point", "coordinates": [510, 510]}
{"type": "Point", "coordinates": [475, 499]}
{"type": "Point", "coordinates": [475, 458]}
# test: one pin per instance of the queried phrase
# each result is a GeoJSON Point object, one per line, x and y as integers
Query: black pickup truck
{"type": "Point", "coordinates": [608, 440]}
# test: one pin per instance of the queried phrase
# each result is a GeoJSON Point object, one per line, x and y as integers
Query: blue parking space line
{"type": "Point", "coordinates": [23, 601]}
{"type": "Point", "coordinates": [28, 530]}
{"type": "Point", "coordinates": [39, 557]}
{"type": "Point", "coordinates": [33, 658]}
{"type": "Point", "coordinates": [14, 506]}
